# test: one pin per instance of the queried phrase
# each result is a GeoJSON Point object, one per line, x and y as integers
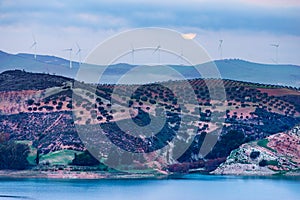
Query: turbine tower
{"type": "Point", "coordinates": [132, 53]}
{"type": "Point", "coordinates": [220, 48]}
{"type": "Point", "coordinates": [276, 46]}
{"type": "Point", "coordinates": [70, 53]}
{"type": "Point", "coordinates": [157, 50]}
{"type": "Point", "coordinates": [78, 53]}
{"type": "Point", "coordinates": [34, 45]}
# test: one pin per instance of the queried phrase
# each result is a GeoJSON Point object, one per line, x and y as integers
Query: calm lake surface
{"type": "Point", "coordinates": [191, 187]}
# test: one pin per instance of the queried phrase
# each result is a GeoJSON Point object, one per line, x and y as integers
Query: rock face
{"type": "Point", "coordinates": [277, 154]}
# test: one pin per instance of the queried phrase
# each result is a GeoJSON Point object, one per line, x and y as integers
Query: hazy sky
{"type": "Point", "coordinates": [247, 27]}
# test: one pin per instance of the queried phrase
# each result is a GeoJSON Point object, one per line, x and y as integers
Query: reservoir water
{"type": "Point", "coordinates": [190, 187]}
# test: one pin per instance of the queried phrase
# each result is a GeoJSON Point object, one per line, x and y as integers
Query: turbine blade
{"type": "Point", "coordinates": [33, 37]}
{"type": "Point", "coordinates": [157, 48]}
{"type": "Point", "coordinates": [77, 45]}
{"type": "Point", "coordinates": [32, 45]}
{"type": "Point", "coordinates": [220, 44]}
{"type": "Point", "coordinates": [180, 56]}
{"type": "Point", "coordinates": [274, 45]}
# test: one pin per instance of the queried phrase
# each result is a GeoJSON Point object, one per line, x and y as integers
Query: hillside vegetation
{"type": "Point", "coordinates": [45, 109]}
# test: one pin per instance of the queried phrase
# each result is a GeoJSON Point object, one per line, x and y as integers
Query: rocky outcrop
{"type": "Point", "coordinates": [276, 154]}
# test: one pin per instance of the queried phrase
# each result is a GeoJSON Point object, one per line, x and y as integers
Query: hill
{"type": "Point", "coordinates": [233, 69]}
{"type": "Point", "coordinates": [43, 64]}
{"type": "Point", "coordinates": [47, 112]}
{"type": "Point", "coordinates": [16, 80]}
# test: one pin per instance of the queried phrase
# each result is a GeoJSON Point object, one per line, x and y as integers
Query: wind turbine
{"type": "Point", "coordinates": [132, 53]}
{"type": "Point", "coordinates": [34, 45]}
{"type": "Point", "coordinates": [276, 46]}
{"type": "Point", "coordinates": [157, 50]}
{"type": "Point", "coordinates": [220, 48]}
{"type": "Point", "coordinates": [70, 50]}
{"type": "Point", "coordinates": [78, 53]}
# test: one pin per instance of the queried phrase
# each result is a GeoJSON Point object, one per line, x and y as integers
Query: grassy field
{"type": "Point", "coordinates": [62, 157]}
{"type": "Point", "coordinates": [264, 143]}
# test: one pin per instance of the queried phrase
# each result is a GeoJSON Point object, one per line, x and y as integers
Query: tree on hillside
{"type": "Point", "coordinates": [14, 156]}
{"type": "Point", "coordinates": [226, 143]}
{"type": "Point", "coordinates": [37, 158]}
{"type": "Point", "coordinates": [85, 159]}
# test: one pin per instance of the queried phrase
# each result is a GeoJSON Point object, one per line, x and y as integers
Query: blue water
{"type": "Point", "coordinates": [193, 187]}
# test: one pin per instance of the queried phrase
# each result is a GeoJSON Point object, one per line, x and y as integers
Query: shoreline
{"type": "Point", "coordinates": [73, 175]}
{"type": "Point", "coordinates": [100, 175]}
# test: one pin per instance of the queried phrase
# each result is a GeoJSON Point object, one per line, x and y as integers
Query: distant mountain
{"type": "Point", "coordinates": [234, 69]}
{"type": "Point", "coordinates": [43, 64]}
{"type": "Point", "coordinates": [241, 70]}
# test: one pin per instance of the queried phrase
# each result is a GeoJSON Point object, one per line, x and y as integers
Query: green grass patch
{"type": "Point", "coordinates": [142, 171]}
{"type": "Point", "coordinates": [62, 157]}
{"type": "Point", "coordinates": [272, 162]}
{"type": "Point", "coordinates": [264, 143]}
{"type": "Point", "coordinates": [24, 142]}
{"type": "Point", "coordinates": [32, 156]}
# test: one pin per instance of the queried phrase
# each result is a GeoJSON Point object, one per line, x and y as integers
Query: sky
{"type": "Point", "coordinates": [247, 27]}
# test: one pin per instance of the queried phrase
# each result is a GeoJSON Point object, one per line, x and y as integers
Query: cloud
{"type": "Point", "coordinates": [278, 3]}
{"type": "Point", "coordinates": [268, 3]}
{"type": "Point", "coordinates": [211, 15]}
{"type": "Point", "coordinates": [59, 24]}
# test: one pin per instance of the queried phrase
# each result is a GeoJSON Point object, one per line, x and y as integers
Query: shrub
{"type": "Point", "coordinates": [152, 101]}
{"type": "Point", "coordinates": [99, 118]}
{"type": "Point", "coordinates": [100, 109]}
{"type": "Point", "coordinates": [109, 117]}
{"type": "Point", "coordinates": [49, 108]}
{"type": "Point", "coordinates": [69, 105]}
{"type": "Point", "coordinates": [130, 103]}
{"type": "Point", "coordinates": [85, 159]}
{"type": "Point", "coordinates": [62, 98]}
{"type": "Point", "coordinates": [30, 102]}
{"type": "Point", "coordinates": [254, 154]}
{"type": "Point", "coordinates": [143, 98]}
{"type": "Point", "coordinates": [263, 163]}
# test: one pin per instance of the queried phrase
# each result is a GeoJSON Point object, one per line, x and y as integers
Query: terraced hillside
{"type": "Point", "coordinates": [47, 111]}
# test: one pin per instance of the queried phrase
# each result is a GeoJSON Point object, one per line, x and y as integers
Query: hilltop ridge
{"type": "Point", "coordinates": [234, 69]}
